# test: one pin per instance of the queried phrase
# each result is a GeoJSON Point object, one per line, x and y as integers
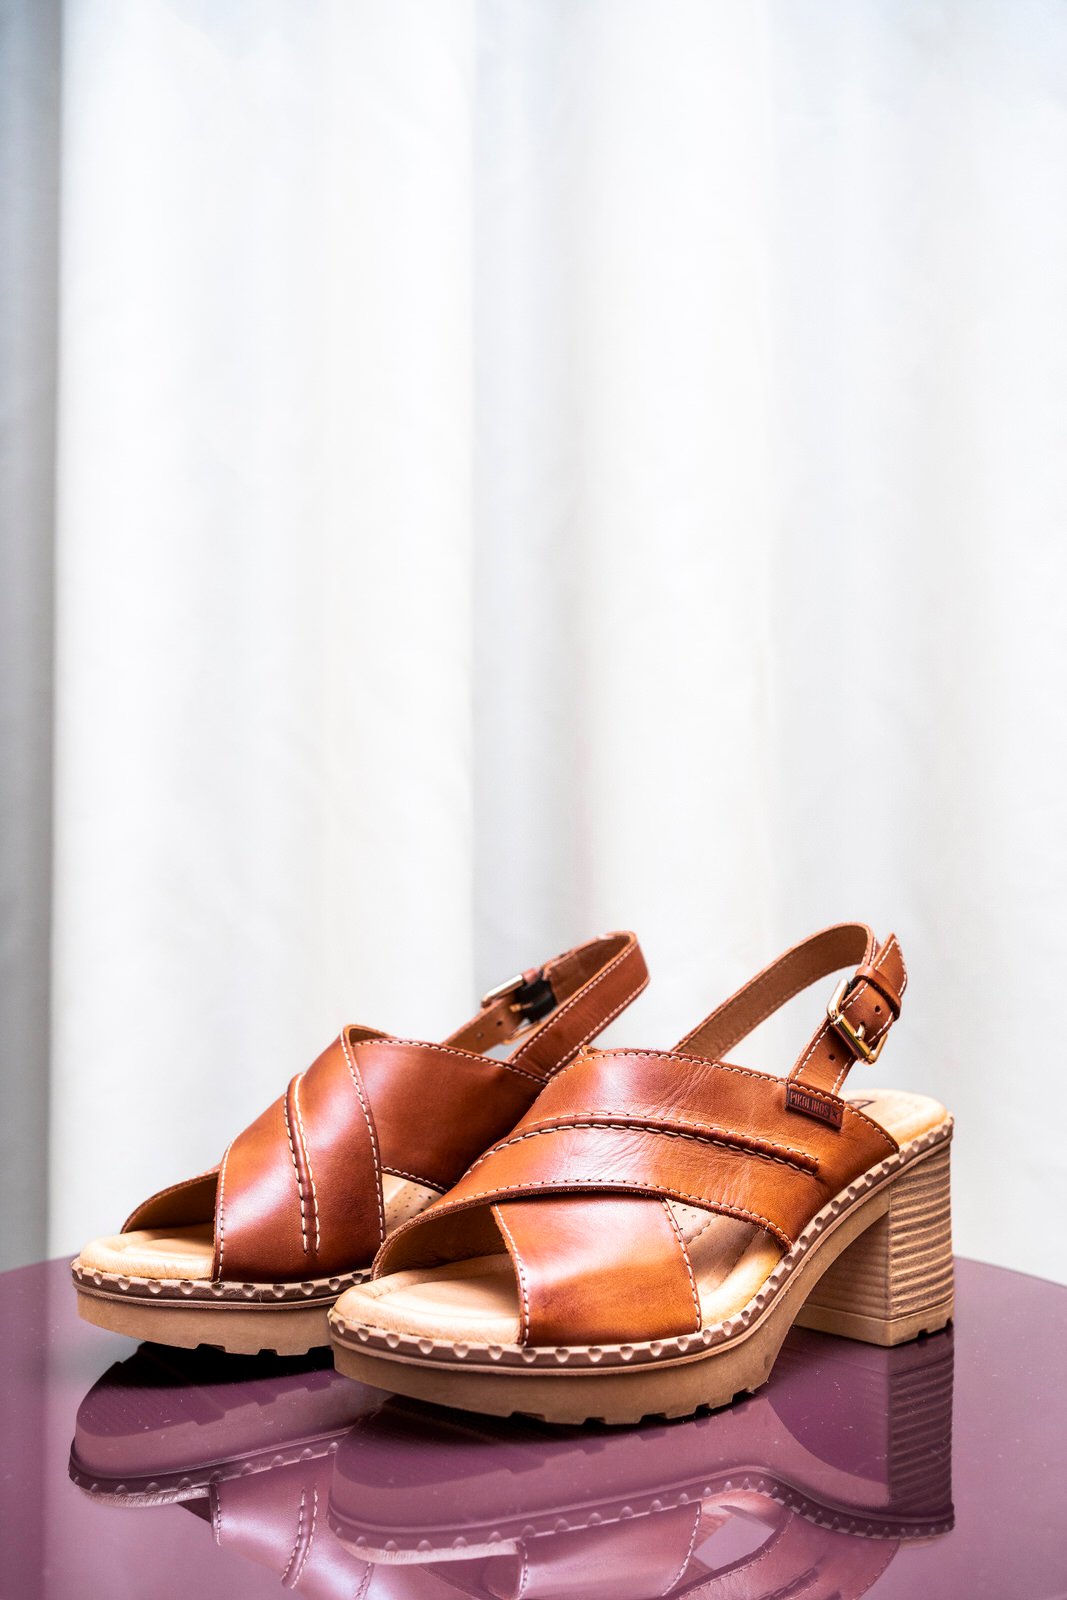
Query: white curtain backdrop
{"type": "Point", "coordinates": [522, 467]}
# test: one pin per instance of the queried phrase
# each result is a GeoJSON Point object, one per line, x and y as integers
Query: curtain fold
{"type": "Point", "coordinates": [29, 235]}
{"type": "Point", "coordinates": [518, 469]}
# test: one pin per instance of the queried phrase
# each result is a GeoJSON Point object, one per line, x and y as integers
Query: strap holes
{"type": "Point", "coordinates": [832, 1056]}
{"type": "Point", "coordinates": [877, 1008]}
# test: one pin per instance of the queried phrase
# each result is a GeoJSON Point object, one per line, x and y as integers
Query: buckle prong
{"type": "Point", "coordinates": [854, 1037]}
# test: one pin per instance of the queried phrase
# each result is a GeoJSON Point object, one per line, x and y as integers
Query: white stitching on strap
{"type": "Point", "coordinates": [633, 1127]}
{"type": "Point", "coordinates": [598, 1027]}
{"type": "Point", "coordinates": [618, 1185]}
{"type": "Point", "coordinates": [296, 1169]}
{"type": "Point", "coordinates": [426, 1183]}
{"type": "Point", "coordinates": [475, 1056]}
{"type": "Point", "coordinates": [708, 1129]}
{"type": "Point", "coordinates": [354, 1074]}
{"type": "Point", "coordinates": [220, 1205]}
{"type": "Point", "coordinates": [581, 994]}
{"type": "Point", "coordinates": [307, 1158]}
{"type": "Point", "coordinates": [519, 1270]}
{"type": "Point", "coordinates": [673, 1220]}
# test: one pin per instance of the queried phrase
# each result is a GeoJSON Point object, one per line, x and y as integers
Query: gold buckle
{"type": "Point", "coordinates": [854, 1037]}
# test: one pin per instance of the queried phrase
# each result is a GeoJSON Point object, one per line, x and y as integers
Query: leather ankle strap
{"type": "Point", "coordinates": [859, 1015]}
{"type": "Point", "coordinates": [557, 1008]}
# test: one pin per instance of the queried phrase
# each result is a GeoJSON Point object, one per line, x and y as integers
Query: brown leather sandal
{"type": "Point", "coordinates": [251, 1255]}
{"type": "Point", "coordinates": [645, 1237]}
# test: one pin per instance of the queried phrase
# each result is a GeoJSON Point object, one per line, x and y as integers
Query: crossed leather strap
{"type": "Point", "coordinates": [579, 1190]}
{"type": "Point", "coordinates": [298, 1195]}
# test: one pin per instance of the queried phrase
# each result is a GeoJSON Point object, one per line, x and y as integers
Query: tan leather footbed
{"type": "Point", "coordinates": [186, 1253]}
{"type": "Point", "coordinates": [477, 1299]}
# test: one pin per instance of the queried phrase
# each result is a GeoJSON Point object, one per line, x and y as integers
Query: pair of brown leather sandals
{"type": "Point", "coordinates": [563, 1231]}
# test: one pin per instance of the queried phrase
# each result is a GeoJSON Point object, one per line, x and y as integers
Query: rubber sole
{"type": "Point", "coordinates": [893, 1253]}
{"type": "Point", "coordinates": [284, 1329]}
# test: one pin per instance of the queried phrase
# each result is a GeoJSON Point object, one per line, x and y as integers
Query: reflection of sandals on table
{"type": "Point", "coordinates": [645, 1237]}
{"type": "Point", "coordinates": [842, 1458]}
{"type": "Point", "coordinates": [172, 1425]}
{"type": "Point", "coordinates": [250, 1255]}
{"type": "Point", "coordinates": [244, 1443]}
{"type": "Point", "coordinates": [809, 1488]}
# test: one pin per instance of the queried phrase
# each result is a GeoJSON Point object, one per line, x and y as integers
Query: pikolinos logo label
{"type": "Point", "coordinates": [812, 1105]}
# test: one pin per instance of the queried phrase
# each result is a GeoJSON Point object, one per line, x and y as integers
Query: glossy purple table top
{"type": "Point", "coordinates": [937, 1469]}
